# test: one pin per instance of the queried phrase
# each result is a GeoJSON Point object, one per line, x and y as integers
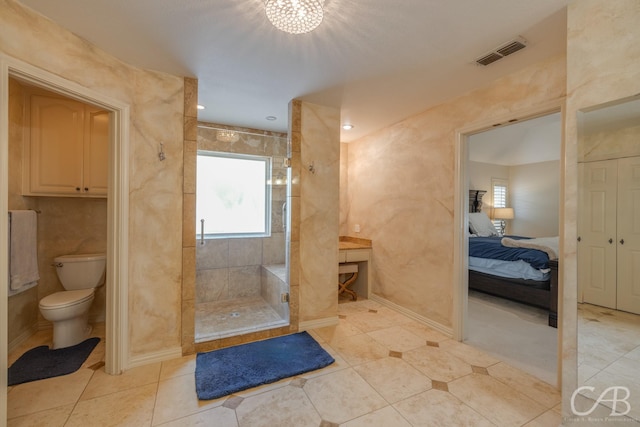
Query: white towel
{"type": "Point", "coordinates": [544, 244]}
{"type": "Point", "coordinates": [23, 250]}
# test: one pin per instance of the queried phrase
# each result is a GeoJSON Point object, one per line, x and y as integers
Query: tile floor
{"type": "Point", "coordinates": [515, 333]}
{"type": "Point", "coordinates": [221, 319]}
{"type": "Point", "coordinates": [609, 351]}
{"type": "Point", "coordinates": [389, 371]}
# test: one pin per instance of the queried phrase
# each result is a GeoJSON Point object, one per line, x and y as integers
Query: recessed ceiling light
{"type": "Point", "coordinates": [201, 107]}
{"type": "Point", "coordinates": [271, 118]}
{"type": "Point", "coordinates": [347, 126]}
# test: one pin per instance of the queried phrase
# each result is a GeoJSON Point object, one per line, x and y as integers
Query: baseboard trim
{"type": "Point", "coordinates": [318, 323]}
{"type": "Point", "coordinates": [25, 335]}
{"type": "Point", "coordinates": [158, 356]}
{"type": "Point", "coordinates": [448, 331]}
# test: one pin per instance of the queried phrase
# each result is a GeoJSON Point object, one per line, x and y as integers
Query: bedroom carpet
{"type": "Point", "coordinates": [515, 333]}
{"type": "Point", "coordinates": [42, 362]}
{"type": "Point", "coordinates": [229, 370]}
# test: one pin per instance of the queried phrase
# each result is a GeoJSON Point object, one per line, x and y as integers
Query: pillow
{"type": "Point", "coordinates": [481, 225]}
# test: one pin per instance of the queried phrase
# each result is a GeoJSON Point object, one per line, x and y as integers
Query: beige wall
{"type": "Point", "coordinates": [534, 194]}
{"type": "Point", "coordinates": [603, 65]}
{"type": "Point", "coordinates": [401, 182]}
{"type": "Point", "coordinates": [156, 100]}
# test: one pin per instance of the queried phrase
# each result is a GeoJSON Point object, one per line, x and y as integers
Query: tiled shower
{"type": "Point", "coordinates": [241, 283]}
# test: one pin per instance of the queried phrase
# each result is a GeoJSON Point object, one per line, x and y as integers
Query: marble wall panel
{"type": "Point", "coordinates": [156, 102]}
{"type": "Point", "coordinates": [244, 281]}
{"type": "Point", "coordinates": [400, 182]}
{"type": "Point", "coordinates": [319, 211]}
{"type": "Point", "coordinates": [603, 65]}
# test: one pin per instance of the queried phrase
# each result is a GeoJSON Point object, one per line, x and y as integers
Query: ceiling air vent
{"type": "Point", "coordinates": [502, 51]}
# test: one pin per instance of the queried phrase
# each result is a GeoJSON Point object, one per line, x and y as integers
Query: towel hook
{"type": "Point", "coordinates": [161, 154]}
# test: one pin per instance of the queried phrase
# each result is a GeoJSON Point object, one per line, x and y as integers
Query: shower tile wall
{"type": "Point", "coordinates": [231, 268]}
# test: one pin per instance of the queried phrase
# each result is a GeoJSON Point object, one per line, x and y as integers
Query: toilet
{"type": "Point", "coordinates": [68, 310]}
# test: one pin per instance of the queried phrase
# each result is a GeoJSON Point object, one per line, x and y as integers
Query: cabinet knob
{"type": "Point", "coordinates": [622, 241]}
{"type": "Point", "coordinates": [77, 188]}
{"type": "Point", "coordinates": [86, 188]}
{"type": "Point", "coordinates": [579, 239]}
{"type": "Point", "coordinates": [610, 241]}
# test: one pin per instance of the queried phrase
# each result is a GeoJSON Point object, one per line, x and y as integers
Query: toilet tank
{"type": "Point", "coordinates": [83, 271]}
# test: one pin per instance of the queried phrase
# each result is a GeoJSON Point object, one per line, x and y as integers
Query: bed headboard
{"type": "Point", "coordinates": [475, 200]}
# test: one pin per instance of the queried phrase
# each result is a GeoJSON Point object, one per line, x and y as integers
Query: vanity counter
{"type": "Point", "coordinates": [357, 250]}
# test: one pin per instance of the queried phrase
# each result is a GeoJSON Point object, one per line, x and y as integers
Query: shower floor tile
{"type": "Point", "coordinates": [220, 319]}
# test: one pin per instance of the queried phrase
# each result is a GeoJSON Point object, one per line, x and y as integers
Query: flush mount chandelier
{"type": "Point", "coordinates": [295, 16]}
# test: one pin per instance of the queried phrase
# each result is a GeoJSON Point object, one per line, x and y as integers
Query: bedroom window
{"type": "Point", "coordinates": [233, 195]}
{"type": "Point", "coordinates": [499, 191]}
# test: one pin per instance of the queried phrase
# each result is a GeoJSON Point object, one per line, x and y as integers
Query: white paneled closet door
{"type": "Point", "coordinates": [609, 234]}
{"type": "Point", "coordinates": [628, 242]}
{"type": "Point", "coordinates": [597, 233]}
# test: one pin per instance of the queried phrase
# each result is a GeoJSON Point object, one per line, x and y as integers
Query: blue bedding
{"type": "Point", "coordinates": [491, 247]}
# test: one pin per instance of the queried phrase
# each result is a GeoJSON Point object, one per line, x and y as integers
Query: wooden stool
{"type": "Point", "coordinates": [342, 286]}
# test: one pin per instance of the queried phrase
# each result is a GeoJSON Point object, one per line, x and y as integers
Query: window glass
{"type": "Point", "coordinates": [233, 196]}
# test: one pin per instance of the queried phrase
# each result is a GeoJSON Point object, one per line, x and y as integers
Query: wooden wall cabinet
{"type": "Point", "coordinates": [67, 150]}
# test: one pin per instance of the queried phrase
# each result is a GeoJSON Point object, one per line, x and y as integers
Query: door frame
{"type": "Point", "coordinates": [117, 339]}
{"type": "Point", "coordinates": [461, 209]}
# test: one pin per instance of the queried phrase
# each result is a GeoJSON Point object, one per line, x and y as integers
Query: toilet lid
{"type": "Point", "coordinates": [66, 298]}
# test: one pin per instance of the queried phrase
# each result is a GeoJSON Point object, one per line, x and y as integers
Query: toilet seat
{"type": "Point", "coordinates": [66, 298]}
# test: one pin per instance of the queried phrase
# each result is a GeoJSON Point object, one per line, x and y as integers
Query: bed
{"type": "Point", "coordinates": [526, 273]}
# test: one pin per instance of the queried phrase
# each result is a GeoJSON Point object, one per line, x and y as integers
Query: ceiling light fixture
{"type": "Point", "coordinates": [201, 107]}
{"type": "Point", "coordinates": [347, 126]}
{"type": "Point", "coordinates": [229, 136]}
{"type": "Point", "coordinates": [271, 118]}
{"type": "Point", "coordinates": [295, 16]}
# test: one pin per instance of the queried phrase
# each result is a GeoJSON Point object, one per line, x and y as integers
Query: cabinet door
{"type": "Point", "coordinates": [55, 145]}
{"type": "Point", "coordinates": [629, 234]}
{"type": "Point", "coordinates": [96, 152]}
{"type": "Point", "coordinates": [597, 225]}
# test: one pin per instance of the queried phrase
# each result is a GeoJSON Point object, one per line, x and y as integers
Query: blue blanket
{"type": "Point", "coordinates": [491, 247]}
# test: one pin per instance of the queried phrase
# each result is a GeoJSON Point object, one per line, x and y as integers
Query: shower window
{"type": "Point", "coordinates": [233, 195]}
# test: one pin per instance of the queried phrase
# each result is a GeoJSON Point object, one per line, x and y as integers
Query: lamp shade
{"type": "Point", "coordinates": [503, 213]}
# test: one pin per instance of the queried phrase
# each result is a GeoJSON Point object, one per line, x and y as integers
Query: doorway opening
{"type": "Point", "coordinates": [116, 286]}
{"type": "Point", "coordinates": [518, 190]}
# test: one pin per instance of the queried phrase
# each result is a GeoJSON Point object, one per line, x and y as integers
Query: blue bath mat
{"type": "Point", "coordinates": [41, 362]}
{"type": "Point", "coordinates": [229, 370]}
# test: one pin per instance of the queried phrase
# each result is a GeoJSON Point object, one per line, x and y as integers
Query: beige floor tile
{"type": "Point", "coordinates": [331, 334]}
{"type": "Point", "coordinates": [496, 401]}
{"type": "Point", "coordinates": [622, 373]}
{"type": "Point", "coordinates": [286, 407]}
{"type": "Point", "coordinates": [177, 367]}
{"type": "Point", "coordinates": [386, 416]}
{"type": "Point", "coordinates": [342, 396]}
{"type": "Point", "coordinates": [550, 418]}
{"type": "Point", "coordinates": [220, 417]}
{"type": "Point", "coordinates": [368, 321]}
{"type": "Point", "coordinates": [338, 364]}
{"type": "Point", "coordinates": [132, 407]}
{"type": "Point", "coordinates": [359, 349]}
{"type": "Point", "coordinates": [424, 332]}
{"type": "Point", "coordinates": [55, 417]}
{"type": "Point", "coordinates": [51, 393]}
{"type": "Point", "coordinates": [176, 398]}
{"type": "Point", "coordinates": [436, 363]}
{"type": "Point", "coordinates": [397, 339]}
{"type": "Point", "coordinates": [468, 353]}
{"type": "Point", "coordinates": [436, 408]}
{"type": "Point", "coordinates": [393, 378]}
{"type": "Point", "coordinates": [102, 383]}
{"type": "Point", "coordinates": [541, 392]}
